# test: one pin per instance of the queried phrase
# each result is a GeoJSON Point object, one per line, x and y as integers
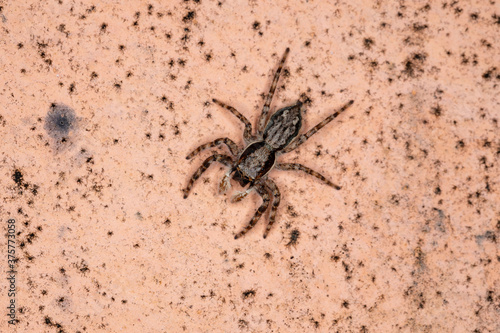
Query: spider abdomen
{"type": "Point", "coordinates": [254, 163]}
{"type": "Point", "coordinates": [283, 127]}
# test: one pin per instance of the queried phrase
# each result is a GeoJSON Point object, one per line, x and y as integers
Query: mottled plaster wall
{"type": "Point", "coordinates": [101, 102]}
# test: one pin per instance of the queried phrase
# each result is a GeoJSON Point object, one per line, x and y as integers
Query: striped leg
{"type": "Point", "coordinates": [228, 142]}
{"type": "Point", "coordinates": [241, 195]}
{"type": "Point", "coordinates": [276, 202]}
{"type": "Point", "coordinates": [226, 160]}
{"type": "Point", "coordinates": [296, 166]}
{"type": "Point", "coordinates": [263, 192]}
{"type": "Point", "coordinates": [302, 138]}
{"type": "Point", "coordinates": [269, 98]}
{"type": "Point", "coordinates": [247, 134]}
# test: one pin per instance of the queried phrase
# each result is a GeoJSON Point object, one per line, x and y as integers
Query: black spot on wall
{"type": "Point", "coordinates": [367, 43]}
{"type": "Point", "coordinates": [414, 65]}
{"type": "Point", "coordinates": [294, 237]}
{"type": "Point", "coordinates": [17, 176]}
{"type": "Point", "coordinates": [248, 293]}
{"type": "Point", "coordinates": [189, 17]}
{"type": "Point", "coordinates": [60, 120]}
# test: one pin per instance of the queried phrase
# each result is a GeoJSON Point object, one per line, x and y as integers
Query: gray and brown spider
{"type": "Point", "coordinates": [274, 137]}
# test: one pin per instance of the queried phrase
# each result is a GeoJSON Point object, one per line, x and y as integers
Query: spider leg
{"type": "Point", "coordinates": [263, 192]}
{"type": "Point", "coordinates": [276, 201]}
{"type": "Point", "coordinates": [296, 166]}
{"type": "Point", "coordinates": [269, 98]}
{"type": "Point", "coordinates": [225, 183]}
{"type": "Point", "coordinates": [303, 138]}
{"type": "Point", "coordinates": [247, 134]}
{"type": "Point", "coordinates": [228, 142]}
{"type": "Point", "coordinates": [241, 195]}
{"type": "Point", "coordinates": [226, 160]}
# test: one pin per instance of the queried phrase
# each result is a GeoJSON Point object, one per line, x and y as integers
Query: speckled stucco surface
{"type": "Point", "coordinates": [100, 102]}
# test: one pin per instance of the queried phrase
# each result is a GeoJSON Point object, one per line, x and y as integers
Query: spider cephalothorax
{"type": "Point", "coordinates": [250, 166]}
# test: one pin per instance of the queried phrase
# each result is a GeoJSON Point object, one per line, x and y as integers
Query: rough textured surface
{"type": "Point", "coordinates": [105, 241]}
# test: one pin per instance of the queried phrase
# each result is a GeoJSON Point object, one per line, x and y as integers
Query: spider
{"type": "Point", "coordinates": [250, 166]}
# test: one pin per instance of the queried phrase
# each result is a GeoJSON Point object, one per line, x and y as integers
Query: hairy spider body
{"type": "Point", "coordinates": [283, 127]}
{"type": "Point", "coordinates": [254, 163]}
{"type": "Point", "coordinates": [251, 165]}
{"type": "Point", "coordinates": [259, 157]}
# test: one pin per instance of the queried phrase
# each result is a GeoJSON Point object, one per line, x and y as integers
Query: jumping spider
{"type": "Point", "coordinates": [274, 137]}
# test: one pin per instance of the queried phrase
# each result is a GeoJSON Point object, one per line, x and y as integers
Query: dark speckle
{"type": "Point", "coordinates": [48, 321]}
{"type": "Point", "coordinates": [496, 18]}
{"type": "Point", "coordinates": [488, 235]}
{"type": "Point", "coordinates": [18, 177]}
{"type": "Point", "coordinates": [294, 237]}
{"type": "Point", "coordinates": [368, 42]}
{"type": "Point", "coordinates": [305, 99]}
{"type": "Point", "coordinates": [489, 73]}
{"type": "Point", "coordinates": [83, 268]}
{"type": "Point", "coordinates": [242, 324]}
{"type": "Point", "coordinates": [176, 130]}
{"type": "Point", "coordinates": [248, 293]}
{"type": "Point", "coordinates": [414, 64]}
{"type": "Point", "coordinates": [419, 27]}
{"type": "Point", "coordinates": [188, 17]}
{"type": "Point", "coordinates": [60, 120]}
{"type": "Point", "coordinates": [437, 111]}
